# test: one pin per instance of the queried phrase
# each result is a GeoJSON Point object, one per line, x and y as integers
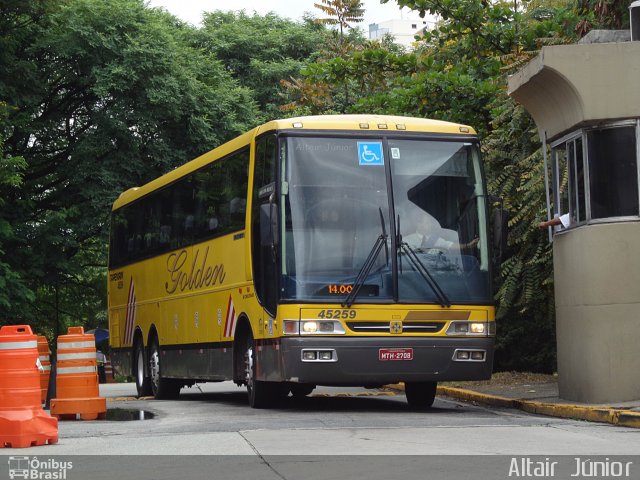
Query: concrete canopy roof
{"type": "Point", "coordinates": [570, 86]}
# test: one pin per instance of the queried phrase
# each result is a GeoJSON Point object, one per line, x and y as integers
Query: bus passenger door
{"type": "Point", "coordinates": [264, 223]}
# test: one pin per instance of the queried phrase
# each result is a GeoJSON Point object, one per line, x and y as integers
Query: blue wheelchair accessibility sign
{"type": "Point", "coordinates": [370, 153]}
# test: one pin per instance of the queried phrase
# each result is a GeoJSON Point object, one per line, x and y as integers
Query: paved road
{"type": "Point", "coordinates": [330, 427]}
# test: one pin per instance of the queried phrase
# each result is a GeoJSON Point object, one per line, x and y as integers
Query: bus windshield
{"type": "Point", "coordinates": [336, 204]}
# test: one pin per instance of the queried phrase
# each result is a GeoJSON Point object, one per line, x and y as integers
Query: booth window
{"type": "Point", "coordinates": [613, 168]}
{"type": "Point", "coordinates": [595, 174]}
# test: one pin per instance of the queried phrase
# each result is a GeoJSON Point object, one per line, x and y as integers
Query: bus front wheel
{"type": "Point", "coordinates": [261, 394]}
{"type": "Point", "coordinates": [420, 395]}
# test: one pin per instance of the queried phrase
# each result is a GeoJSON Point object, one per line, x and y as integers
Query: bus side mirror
{"type": "Point", "coordinates": [268, 224]}
{"type": "Point", "coordinates": [500, 227]}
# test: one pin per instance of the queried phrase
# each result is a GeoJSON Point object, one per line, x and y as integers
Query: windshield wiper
{"type": "Point", "coordinates": [421, 269]}
{"type": "Point", "coordinates": [368, 264]}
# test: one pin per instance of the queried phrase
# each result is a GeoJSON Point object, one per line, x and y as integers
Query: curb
{"type": "Point", "coordinates": [613, 416]}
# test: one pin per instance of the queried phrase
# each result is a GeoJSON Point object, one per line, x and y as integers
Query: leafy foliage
{"type": "Point", "coordinates": [340, 12]}
{"type": "Point", "coordinates": [605, 14]}
{"type": "Point", "coordinates": [104, 96]}
{"type": "Point", "coordinates": [259, 51]}
{"type": "Point", "coordinates": [526, 314]}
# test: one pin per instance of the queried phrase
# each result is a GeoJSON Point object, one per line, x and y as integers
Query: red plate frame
{"type": "Point", "coordinates": [395, 354]}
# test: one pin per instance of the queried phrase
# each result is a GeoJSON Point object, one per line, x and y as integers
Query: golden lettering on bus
{"type": "Point", "coordinates": [196, 274]}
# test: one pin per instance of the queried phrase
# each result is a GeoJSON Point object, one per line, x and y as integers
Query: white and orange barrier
{"type": "Point", "coordinates": [77, 389]}
{"type": "Point", "coordinates": [23, 423]}
{"type": "Point", "coordinates": [44, 355]}
{"type": "Point", "coordinates": [108, 371]}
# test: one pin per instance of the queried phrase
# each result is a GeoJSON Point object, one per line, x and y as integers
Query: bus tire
{"type": "Point", "coordinates": [261, 394]}
{"type": "Point", "coordinates": [162, 388]}
{"type": "Point", "coordinates": [143, 382]}
{"type": "Point", "coordinates": [420, 395]}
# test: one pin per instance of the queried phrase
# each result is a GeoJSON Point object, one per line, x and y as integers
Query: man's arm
{"type": "Point", "coordinates": [550, 223]}
{"type": "Point", "coordinates": [564, 220]}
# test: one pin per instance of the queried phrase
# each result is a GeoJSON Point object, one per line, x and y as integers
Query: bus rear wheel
{"type": "Point", "coordinates": [143, 382]}
{"type": "Point", "coordinates": [162, 388]}
{"type": "Point", "coordinates": [420, 395]}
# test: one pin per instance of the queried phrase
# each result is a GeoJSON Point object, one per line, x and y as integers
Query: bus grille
{"type": "Point", "coordinates": [407, 327]}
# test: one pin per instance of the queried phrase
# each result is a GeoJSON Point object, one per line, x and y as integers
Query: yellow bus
{"type": "Point", "coordinates": [341, 250]}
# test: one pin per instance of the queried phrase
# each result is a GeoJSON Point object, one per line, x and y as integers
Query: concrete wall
{"type": "Point", "coordinates": [597, 288]}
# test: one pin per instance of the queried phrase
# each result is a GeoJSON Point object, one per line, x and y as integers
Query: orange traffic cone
{"type": "Point", "coordinates": [108, 371]}
{"type": "Point", "coordinates": [77, 387]}
{"type": "Point", "coordinates": [23, 423]}
{"type": "Point", "coordinates": [45, 362]}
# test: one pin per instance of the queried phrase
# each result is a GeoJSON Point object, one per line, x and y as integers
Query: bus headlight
{"type": "Point", "coordinates": [313, 327]}
{"type": "Point", "coordinates": [309, 327]}
{"type": "Point", "coordinates": [471, 329]}
{"type": "Point", "coordinates": [477, 328]}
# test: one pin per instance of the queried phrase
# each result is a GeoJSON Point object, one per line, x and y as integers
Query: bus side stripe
{"type": "Point", "coordinates": [132, 322]}
{"type": "Point", "coordinates": [131, 313]}
{"type": "Point", "coordinates": [228, 326]}
{"type": "Point", "coordinates": [126, 324]}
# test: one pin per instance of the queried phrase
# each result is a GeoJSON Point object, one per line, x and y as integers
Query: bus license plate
{"type": "Point", "coordinates": [395, 354]}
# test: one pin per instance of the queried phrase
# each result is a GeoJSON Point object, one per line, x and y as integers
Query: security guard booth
{"type": "Point", "coordinates": [585, 100]}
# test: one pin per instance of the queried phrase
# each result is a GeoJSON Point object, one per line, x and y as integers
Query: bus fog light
{"type": "Point", "coordinates": [462, 355]}
{"type": "Point", "coordinates": [477, 355]}
{"type": "Point", "coordinates": [477, 328]}
{"type": "Point", "coordinates": [328, 355]}
{"type": "Point", "coordinates": [310, 327]}
{"type": "Point", "coordinates": [309, 355]}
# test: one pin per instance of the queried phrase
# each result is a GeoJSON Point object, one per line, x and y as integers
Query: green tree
{"type": "Point", "coordinates": [604, 14]}
{"type": "Point", "coordinates": [104, 96]}
{"type": "Point", "coordinates": [342, 13]}
{"type": "Point", "coordinates": [11, 168]}
{"type": "Point", "coordinates": [259, 51]}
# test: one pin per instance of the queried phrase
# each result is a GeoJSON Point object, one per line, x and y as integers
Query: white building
{"type": "Point", "coordinates": [402, 30]}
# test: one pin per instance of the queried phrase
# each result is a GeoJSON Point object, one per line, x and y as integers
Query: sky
{"type": "Point", "coordinates": [191, 10]}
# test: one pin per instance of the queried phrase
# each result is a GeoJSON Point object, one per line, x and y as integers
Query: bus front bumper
{"type": "Point", "coordinates": [374, 361]}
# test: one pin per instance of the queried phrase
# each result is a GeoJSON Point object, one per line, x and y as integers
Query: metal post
{"type": "Point", "coordinates": [543, 138]}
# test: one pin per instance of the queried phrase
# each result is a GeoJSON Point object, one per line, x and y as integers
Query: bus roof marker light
{"type": "Point", "coordinates": [382, 126]}
{"type": "Point", "coordinates": [297, 124]}
{"type": "Point", "coordinates": [464, 129]}
{"type": "Point", "coordinates": [364, 126]}
{"type": "Point", "coordinates": [401, 126]}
